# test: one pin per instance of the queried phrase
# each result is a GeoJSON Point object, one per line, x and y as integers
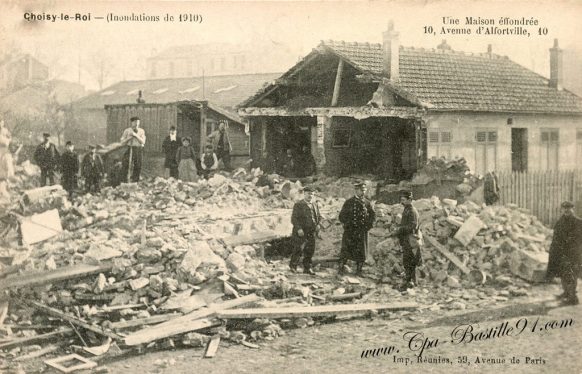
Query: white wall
{"type": "Point", "coordinates": [464, 125]}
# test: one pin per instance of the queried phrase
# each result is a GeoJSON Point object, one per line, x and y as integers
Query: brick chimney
{"type": "Point", "coordinates": [556, 70]}
{"type": "Point", "coordinates": [444, 46]}
{"type": "Point", "coordinates": [391, 52]}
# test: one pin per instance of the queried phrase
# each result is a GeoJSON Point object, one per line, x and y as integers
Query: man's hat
{"type": "Point", "coordinates": [68, 143]}
{"type": "Point", "coordinates": [360, 183]}
{"type": "Point", "coordinates": [309, 189]}
{"type": "Point", "coordinates": [91, 146]}
{"type": "Point", "coordinates": [406, 194]}
{"type": "Point", "coordinates": [46, 135]}
{"type": "Point", "coordinates": [189, 139]}
{"type": "Point", "coordinates": [567, 204]}
{"type": "Point", "coordinates": [134, 118]}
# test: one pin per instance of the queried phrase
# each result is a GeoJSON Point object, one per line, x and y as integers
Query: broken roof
{"type": "Point", "coordinates": [225, 91]}
{"type": "Point", "coordinates": [448, 80]}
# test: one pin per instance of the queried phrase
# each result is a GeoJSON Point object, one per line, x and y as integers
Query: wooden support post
{"type": "Point", "coordinates": [338, 82]}
{"type": "Point", "coordinates": [203, 133]}
{"type": "Point", "coordinates": [263, 138]}
{"type": "Point", "coordinates": [318, 142]}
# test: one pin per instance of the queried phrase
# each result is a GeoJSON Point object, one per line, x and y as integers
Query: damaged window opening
{"type": "Point", "coordinates": [341, 138]}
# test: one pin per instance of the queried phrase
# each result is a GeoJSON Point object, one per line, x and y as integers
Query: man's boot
{"type": "Point", "coordinates": [359, 267]}
{"type": "Point", "coordinates": [342, 268]}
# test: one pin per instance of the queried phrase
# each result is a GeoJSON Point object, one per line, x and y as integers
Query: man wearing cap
{"type": "Point", "coordinates": [69, 168]}
{"type": "Point", "coordinates": [221, 144]}
{"type": "Point", "coordinates": [46, 157]}
{"type": "Point", "coordinates": [305, 219]}
{"type": "Point", "coordinates": [357, 217]}
{"type": "Point", "coordinates": [92, 170]}
{"type": "Point", "coordinates": [409, 225]}
{"type": "Point", "coordinates": [134, 137]}
{"type": "Point", "coordinates": [170, 147]}
{"type": "Point", "coordinates": [566, 253]}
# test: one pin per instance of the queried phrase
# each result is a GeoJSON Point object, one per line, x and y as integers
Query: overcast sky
{"type": "Point", "coordinates": [296, 26]}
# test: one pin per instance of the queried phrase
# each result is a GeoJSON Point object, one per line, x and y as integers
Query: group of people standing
{"type": "Point", "coordinates": [181, 159]}
{"type": "Point", "coordinates": [357, 217]}
{"type": "Point", "coordinates": [48, 159]}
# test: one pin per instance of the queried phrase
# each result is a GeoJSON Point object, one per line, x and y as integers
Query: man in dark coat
{"type": "Point", "coordinates": [409, 225]}
{"type": "Point", "coordinates": [69, 168]}
{"type": "Point", "coordinates": [92, 170]}
{"type": "Point", "coordinates": [170, 147]}
{"type": "Point", "coordinates": [357, 217]}
{"type": "Point", "coordinates": [566, 253]}
{"type": "Point", "coordinates": [46, 157]}
{"type": "Point", "coordinates": [305, 219]}
{"type": "Point", "coordinates": [491, 188]}
{"type": "Point", "coordinates": [221, 144]}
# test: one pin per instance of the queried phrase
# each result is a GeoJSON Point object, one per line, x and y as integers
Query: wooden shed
{"type": "Point", "coordinates": [196, 119]}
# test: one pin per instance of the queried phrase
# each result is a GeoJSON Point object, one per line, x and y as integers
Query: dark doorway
{"type": "Point", "coordinates": [518, 149]}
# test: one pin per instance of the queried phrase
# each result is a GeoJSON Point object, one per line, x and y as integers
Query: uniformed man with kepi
{"type": "Point", "coordinates": [305, 219]}
{"type": "Point", "coordinates": [357, 217]}
{"type": "Point", "coordinates": [409, 226]}
{"type": "Point", "coordinates": [566, 253]}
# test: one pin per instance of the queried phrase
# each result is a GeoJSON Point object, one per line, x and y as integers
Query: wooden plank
{"type": "Point", "coordinates": [39, 353]}
{"type": "Point", "coordinates": [345, 296]}
{"type": "Point", "coordinates": [144, 321]}
{"type": "Point", "coordinates": [184, 323]}
{"type": "Point", "coordinates": [311, 311]}
{"type": "Point", "coordinates": [445, 252]}
{"type": "Point", "coordinates": [74, 320]}
{"type": "Point", "coordinates": [34, 339]}
{"type": "Point", "coordinates": [256, 237]}
{"type": "Point", "coordinates": [212, 347]}
{"type": "Point", "coordinates": [47, 277]}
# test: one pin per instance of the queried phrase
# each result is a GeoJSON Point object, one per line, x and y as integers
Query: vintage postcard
{"type": "Point", "coordinates": [290, 186]}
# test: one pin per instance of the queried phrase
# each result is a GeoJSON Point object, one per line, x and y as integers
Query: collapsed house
{"type": "Point", "coordinates": [385, 109]}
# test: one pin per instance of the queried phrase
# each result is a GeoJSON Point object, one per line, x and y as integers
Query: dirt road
{"type": "Point", "coordinates": [337, 347]}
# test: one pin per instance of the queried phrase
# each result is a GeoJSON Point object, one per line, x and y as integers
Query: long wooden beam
{"type": "Point", "coordinates": [445, 252]}
{"type": "Point", "coordinates": [338, 82]}
{"type": "Point", "coordinates": [74, 320]}
{"type": "Point", "coordinates": [47, 277]}
{"type": "Point", "coordinates": [37, 338]}
{"type": "Point", "coordinates": [185, 323]}
{"type": "Point", "coordinates": [313, 311]}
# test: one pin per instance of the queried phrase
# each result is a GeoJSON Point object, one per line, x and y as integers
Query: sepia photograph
{"type": "Point", "coordinates": [288, 186]}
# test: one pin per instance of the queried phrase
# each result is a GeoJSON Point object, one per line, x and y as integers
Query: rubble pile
{"type": "Point", "coordinates": [488, 242]}
{"type": "Point", "coordinates": [165, 263]}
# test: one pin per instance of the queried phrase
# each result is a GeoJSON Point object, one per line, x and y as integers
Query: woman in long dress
{"type": "Point", "coordinates": [186, 158]}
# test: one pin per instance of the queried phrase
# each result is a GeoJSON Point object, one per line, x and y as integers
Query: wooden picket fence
{"type": "Point", "coordinates": [542, 192]}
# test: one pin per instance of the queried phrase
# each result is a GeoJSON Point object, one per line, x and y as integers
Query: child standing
{"type": "Point", "coordinates": [208, 162]}
{"type": "Point", "coordinates": [92, 170]}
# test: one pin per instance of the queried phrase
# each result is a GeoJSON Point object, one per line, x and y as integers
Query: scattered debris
{"type": "Point", "coordinates": [58, 363]}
